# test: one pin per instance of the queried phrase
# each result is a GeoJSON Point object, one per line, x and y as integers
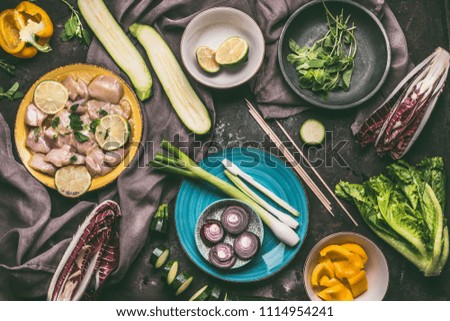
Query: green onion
{"type": "Point", "coordinates": [177, 162]}
{"type": "Point", "coordinates": [286, 219]}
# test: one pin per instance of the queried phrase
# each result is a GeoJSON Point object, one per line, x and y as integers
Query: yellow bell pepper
{"type": "Point", "coordinates": [25, 30]}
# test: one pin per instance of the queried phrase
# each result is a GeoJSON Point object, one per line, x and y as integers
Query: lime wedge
{"type": "Point", "coordinates": [72, 181]}
{"type": "Point", "coordinates": [232, 51]}
{"type": "Point", "coordinates": [206, 60]}
{"type": "Point", "coordinates": [50, 96]}
{"type": "Point", "coordinates": [112, 132]}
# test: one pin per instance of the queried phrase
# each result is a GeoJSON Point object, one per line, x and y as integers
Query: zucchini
{"type": "Point", "coordinates": [202, 294]}
{"type": "Point", "coordinates": [182, 96]}
{"type": "Point", "coordinates": [181, 282]}
{"type": "Point", "coordinates": [160, 222]}
{"type": "Point", "coordinates": [159, 256]}
{"type": "Point", "coordinates": [312, 132]}
{"type": "Point", "coordinates": [169, 272]}
{"type": "Point", "coordinates": [118, 45]}
{"type": "Point", "coordinates": [215, 293]}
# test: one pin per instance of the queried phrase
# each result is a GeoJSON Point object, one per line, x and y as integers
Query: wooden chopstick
{"type": "Point", "coordinates": [296, 166]}
{"type": "Point", "coordinates": [316, 173]}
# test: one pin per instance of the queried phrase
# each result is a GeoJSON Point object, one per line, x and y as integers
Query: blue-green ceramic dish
{"type": "Point", "coordinates": [194, 197]}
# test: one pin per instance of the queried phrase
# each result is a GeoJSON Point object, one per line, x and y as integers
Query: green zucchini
{"type": "Point", "coordinates": [159, 256]}
{"type": "Point", "coordinates": [181, 283]}
{"type": "Point", "coordinates": [118, 45]}
{"type": "Point", "coordinates": [312, 132]}
{"type": "Point", "coordinates": [182, 96]}
{"type": "Point", "coordinates": [215, 293]}
{"type": "Point", "coordinates": [160, 222]}
{"type": "Point", "coordinates": [169, 272]}
{"type": "Point", "coordinates": [202, 294]}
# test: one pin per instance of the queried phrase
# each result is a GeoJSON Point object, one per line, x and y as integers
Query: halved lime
{"type": "Point", "coordinates": [312, 132]}
{"type": "Point", "coordinates": [206, 59]}
{"type": "Point", "coordinates": [232, 51]}
{"type": "Point", "coordinates": [50, 96]}
{"type": "Point", "coordinates": [72, 181]}
{"type": "Point", "coordinates": [112, 132]}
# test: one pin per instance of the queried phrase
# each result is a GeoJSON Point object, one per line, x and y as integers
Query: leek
{"type": "Point", "coordinates": [175, 161]}
{"type": "Point", "coordinates": [286, 219]}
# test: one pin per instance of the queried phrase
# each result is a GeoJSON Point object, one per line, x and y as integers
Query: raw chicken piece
{"type": "Point", "coordinates": [37, 162]}
{"type": "Point", "coordinates": [114, 158]}
{"type": "Point", "coordinates": [105, 170]}
{"type": "Point", "coordinates": [95, 106]}
{"type": "Point", "coordinates": [34, 117]}
{"type": "Point", "coordinates": [57, 140]}
{"type": "Point", "coordinates": [86, 147]}
{"type": "Point", "coordinates": [94, 162]}
{"type": "Point", "coordinates": [60, 156]}
{"type": "Point", "coordinates": [106, 88]}
{"type": "Point", "coordinates": [126, 108]}
{"type": "Point", "coordinates": [75, 88]}
{"type": "Point", "coordinates": [64, 121]}
{"type": "Point", "coordinates": [78, 159]}
{"type": "Point", "coordinates": [77, 107]}
{"type": "Point", "coordinates": [37, 143]}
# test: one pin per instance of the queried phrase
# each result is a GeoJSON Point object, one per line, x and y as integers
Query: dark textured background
{"type": "Point", "coordinates": [426, 24]}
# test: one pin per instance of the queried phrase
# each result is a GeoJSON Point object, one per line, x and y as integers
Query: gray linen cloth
{"type": "Point", "coordinates": [33, 236]}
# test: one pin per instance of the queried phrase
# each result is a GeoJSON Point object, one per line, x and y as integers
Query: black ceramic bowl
{"type": "Point", "coordinates": [372, 60]}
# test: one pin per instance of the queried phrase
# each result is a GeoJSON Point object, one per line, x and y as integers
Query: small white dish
{"type": "Point", "coordinates": [212, 27]}
{"type": "Point", "coordinates": [376, 267]}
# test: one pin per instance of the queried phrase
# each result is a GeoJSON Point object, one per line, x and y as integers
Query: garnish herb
{"type": "Point", "coordinates": [55, 122]}
{"type": "Point", "coordinates": [9, 68]}
{"type": "Point", "coordinates": [75, 122]}
{"type": "Point", "coordinates": [12, 93]}
{"type": "Point", "coordinates": [73, 159]}
{"type": "Point", "coordinates": [36, 132]}
{"type": "Point", "coordinates": [328, 64]}
{"type": "Point", "coordinates": [94, 124]}
{"type": "Point", "coordinates": [74, 27]}
{"type": "Point", "coordinates": [102, 112]}
{"type": "Point", "coordinates": [74, 107]}
{"type": "Point", "coordinates": [80, 137]}
{"type": "Point", "coordinates": [107, 133]}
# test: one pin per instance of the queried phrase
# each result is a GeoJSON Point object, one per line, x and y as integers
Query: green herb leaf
{"type": "Point", "coordinates": [9, 68]}
{"type": "Point", "coordinates": [107, 133]}
{"type": "Point", "coordinates": [74, 107]}
{"type": "Point", "coordinates": [12, 93]}
{"type": "Point", "coordinates": [102, 112]}
{"type": "Point", "coordinates": [73, 159]}
{"type": "Point", "coordinates": [94, 124]}
{"type": "Point", "coordinates": [75, 122]}
{"type": "Point", "coordinates": [55, 122]}
{"type": "Point", "coordinates": [36, 132]}
{"type": "Point", "coordinates": [347, 78]}
{"type": "Point", "coordinates": [73, 27]}
{"type": "Point", "coordinates": [80, 137]}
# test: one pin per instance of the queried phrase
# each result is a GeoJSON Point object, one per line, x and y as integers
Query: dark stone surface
{"type": "Point", "coordinates": [425, 23]}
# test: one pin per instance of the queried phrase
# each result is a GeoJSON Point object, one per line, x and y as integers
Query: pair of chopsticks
{"type": "Point", "coordinates": [295, 165]}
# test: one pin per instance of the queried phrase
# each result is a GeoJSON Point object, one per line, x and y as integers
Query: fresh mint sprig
{"type": "Point", "coordinates": [74, 27]}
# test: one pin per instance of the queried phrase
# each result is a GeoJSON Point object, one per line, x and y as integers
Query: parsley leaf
{"type": "Point", "coordinates": [36, 132]}
{"type": "Point", "coordinates": [74, 107]}
{"type": "Point", "coordinates": [107, 133]}
{"type": "Point", "coordinates": [73, 27]}
{"type": "Point", "coordinates": [75, 122]}
{"type": "Point", "coordinates": [102, 112]}
{"type": "Point", "coordinates": [12, 93]}
{"type": "Point", "coordinates": [80, 137]}
{"type": "Point", "coordinates": [94, 124]}
{"type": "Point", "coordinates": [9, 68]}
{"type": "Point", "coordinates": [73, 159]}
{"type": "Point", "coordinates": [55, 122]}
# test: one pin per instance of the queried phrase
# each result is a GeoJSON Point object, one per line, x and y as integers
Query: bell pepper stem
{"type": "Point", "coordinates": [42, 48]}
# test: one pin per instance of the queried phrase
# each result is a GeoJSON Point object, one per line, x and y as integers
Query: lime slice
{"type": "Point", "coordinates": [206, 60]}
{"type": "Point", "coordinates": [232, 51]}
{"type": "Point", "coordinates": [112, 132]}
{"type": "Point", "coordinates": [72, 181]}
{"type": "Point", "coordinates": [50, 96]}
{"type": "Point", "coordinates": [312, 132]}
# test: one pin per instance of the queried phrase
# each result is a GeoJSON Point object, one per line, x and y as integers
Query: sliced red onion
{"type": "Point", "coordinates": [246, 245]}
{"type": "Point", "coordinates": [234, 220]}
{"type": "Point", "coordinates": [222, 256]}
{"type": "Point", "coordinates": [212, 232]}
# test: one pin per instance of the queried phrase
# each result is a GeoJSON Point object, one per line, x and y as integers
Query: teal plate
{"type": "Point", "coordinates": [194, 197]}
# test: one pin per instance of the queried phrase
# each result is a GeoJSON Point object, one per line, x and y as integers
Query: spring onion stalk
{"type": "Point", "coordinates": [235, 170]}
{"type": "Point", "coordinates": [285, 218]}
{"type": "Point", "coordinates": [176, 162]}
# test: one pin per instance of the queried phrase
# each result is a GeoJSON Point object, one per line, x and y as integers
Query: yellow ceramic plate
{"type": "Point", "coordinates": [87, 73]}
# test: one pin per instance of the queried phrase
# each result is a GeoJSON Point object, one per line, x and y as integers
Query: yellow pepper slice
{"type": "Point", "coordinates": [336, 293]}
{"type": "Point", "coordinates": [25, 30]}
{"type": "Point", "coordinates": [358, 283]}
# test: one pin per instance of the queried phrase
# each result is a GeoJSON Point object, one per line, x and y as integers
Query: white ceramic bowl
{"type": "Point", "coordinates": [377, 271]}
{"type": "Point", "coordinates": [210, 28]}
